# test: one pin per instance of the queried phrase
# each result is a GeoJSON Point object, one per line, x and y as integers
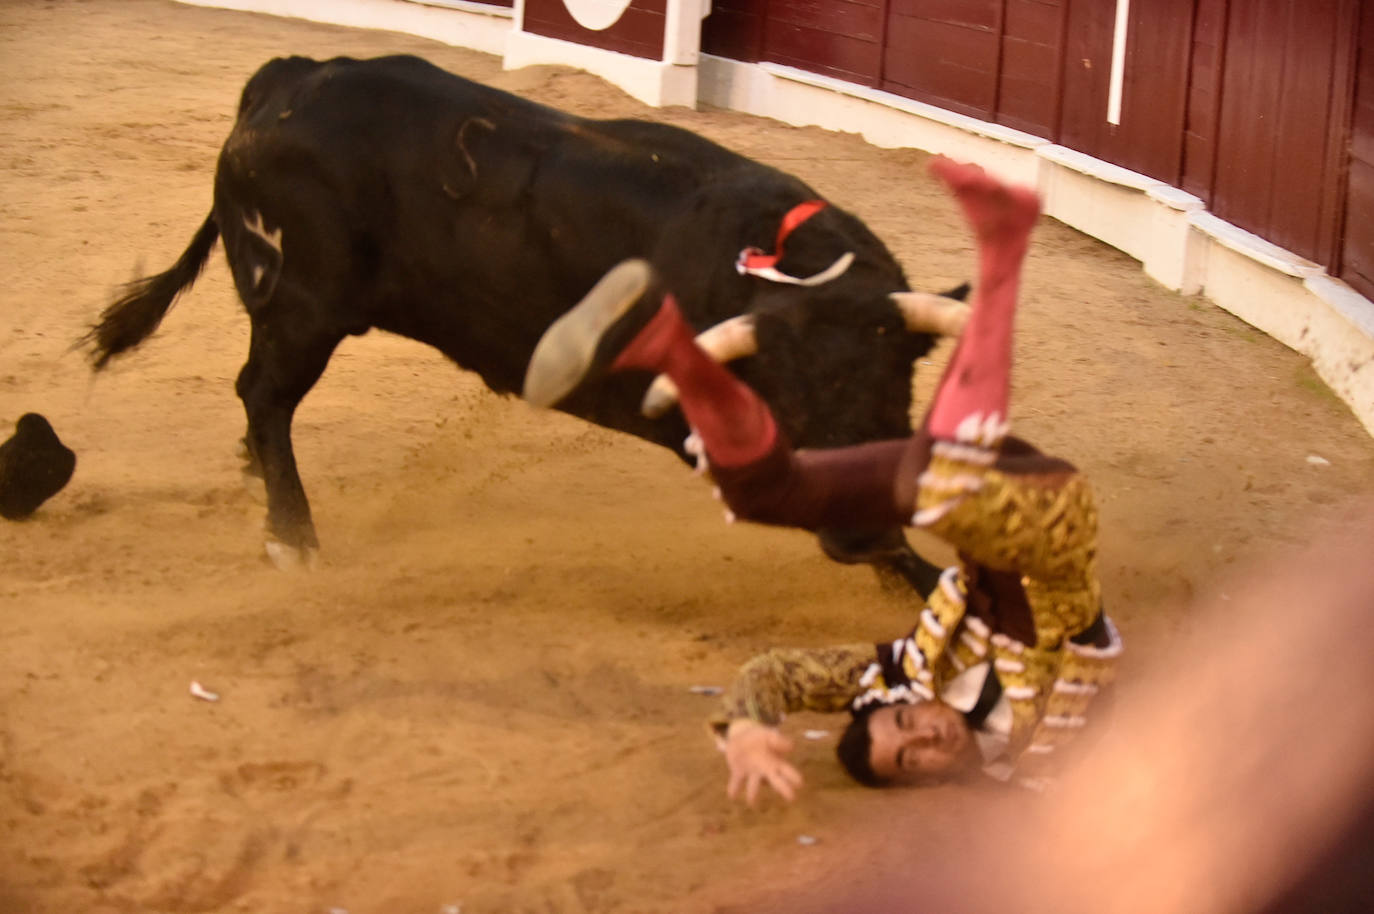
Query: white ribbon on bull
{"type": "Point", "coordinates": [755, 262]}
{"type": "Point", "coordinates": [771, 273]}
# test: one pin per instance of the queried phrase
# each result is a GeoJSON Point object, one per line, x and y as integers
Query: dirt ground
{"type": "Point", "coordinates": [482, 697]}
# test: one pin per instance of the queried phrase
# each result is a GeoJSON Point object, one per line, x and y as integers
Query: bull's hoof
{"type": "Point", "coordinates": [291, 558]}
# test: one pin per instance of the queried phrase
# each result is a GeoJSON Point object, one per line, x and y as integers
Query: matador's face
{"type": "Point", "coordinates": [913, 742]}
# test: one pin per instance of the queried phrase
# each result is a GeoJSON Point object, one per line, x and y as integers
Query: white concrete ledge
{"type": "Point", "coordinates": [1102, 200]}
{"type": "Point", "coordinates": [1253, 246]}
{"type": "Point", "coordinates": [1345, 301]}
{"type": "Point", "coordinates": [1097, 169]}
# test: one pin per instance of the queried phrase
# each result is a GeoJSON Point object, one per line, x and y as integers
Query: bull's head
{"type": "Point", "coordinates": [921, 313]}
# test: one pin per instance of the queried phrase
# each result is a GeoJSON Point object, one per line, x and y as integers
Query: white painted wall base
{"type": "Point", "coordinates": [466, 25]}
{"type": "Point", "coordinates": [651, 81]}
{"type": "Point", "coordinates": [1178, 242]}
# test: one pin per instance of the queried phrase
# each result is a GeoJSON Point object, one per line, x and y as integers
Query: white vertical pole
{"type": "Point", "coordinates": [1118, 75]}
{"type": "Point", "coordinates": [682, 30]}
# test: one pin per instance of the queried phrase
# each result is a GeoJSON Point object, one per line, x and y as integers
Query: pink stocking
{"type": "Point", "coordinates": [734, 423]}
{"type": "Point", "coordinates": [971, 402]}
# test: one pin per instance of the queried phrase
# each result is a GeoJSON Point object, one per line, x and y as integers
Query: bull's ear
{"type": "Point", "coordinates": [959, 292]}
{"type": "Point", "coordinates": [923, 312]}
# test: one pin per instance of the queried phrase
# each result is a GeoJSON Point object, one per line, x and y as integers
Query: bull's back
{"type": "Point", "coordinates": [443, 189]}
{"type": "Point", "coordinates": [396, 119]}
{"type": "Point", "coordinates": [410, 119]}
{"type": "Point", "coordinates": [303, 85]}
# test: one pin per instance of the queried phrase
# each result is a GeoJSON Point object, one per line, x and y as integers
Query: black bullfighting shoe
{"type": "Point", "coordinates": [571, 349]}
{"type": "Point", "coordinates": [34, 466]}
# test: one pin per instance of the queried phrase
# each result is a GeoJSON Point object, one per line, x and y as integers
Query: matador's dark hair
{"type": "Point", "coordinates": [854, 747]}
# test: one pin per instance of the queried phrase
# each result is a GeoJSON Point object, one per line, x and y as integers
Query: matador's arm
{"type": "Point", "coordinates": [786, 680]}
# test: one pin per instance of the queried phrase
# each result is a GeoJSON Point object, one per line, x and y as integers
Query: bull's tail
{"type": "Point", "coordinates": [133, 317]}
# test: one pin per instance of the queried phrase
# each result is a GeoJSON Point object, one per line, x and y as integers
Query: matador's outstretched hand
{"type": "Point", "coordinates": [756, 753]}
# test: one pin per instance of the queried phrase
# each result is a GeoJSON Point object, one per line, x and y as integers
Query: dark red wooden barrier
{"type": "Point", "coordinates": [1284, 120]}
{"type": "Point", "coordinates": [639, 31]}
{"type": "Point", "coordinates": [945, 52]}
{"type": "Point", "coordinates": [1149, 137]}
{"type": "Point", "coordinates": [1248, 104]}
{"type": "Point", "coordinates": [1030, 83]}
{"type": "Point", "coordinates": [1357, 266]}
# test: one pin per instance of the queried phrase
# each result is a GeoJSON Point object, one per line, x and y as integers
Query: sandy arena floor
{"type": "Point", "coordinates": [481, 698]}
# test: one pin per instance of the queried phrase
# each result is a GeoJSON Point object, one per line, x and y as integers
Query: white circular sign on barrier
{"type": "Point", "coordinates": [596, 14]}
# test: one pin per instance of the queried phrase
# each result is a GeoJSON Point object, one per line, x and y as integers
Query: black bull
{"type": "Point", "coordinates": [388, 193]}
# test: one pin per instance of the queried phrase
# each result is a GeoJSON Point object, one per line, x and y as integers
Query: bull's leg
{"type": "Point", "coordinates": [244, 451]}
{"type": "Point", "coordinates": [280, 370]}
{"type": "Point", "coordinates": [253, 480]}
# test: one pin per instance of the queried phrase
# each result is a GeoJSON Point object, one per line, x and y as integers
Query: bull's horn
{"type": "Point", "coordinates": [924, 312]}
{"type": "Point", "coordinates": [730, 339]}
